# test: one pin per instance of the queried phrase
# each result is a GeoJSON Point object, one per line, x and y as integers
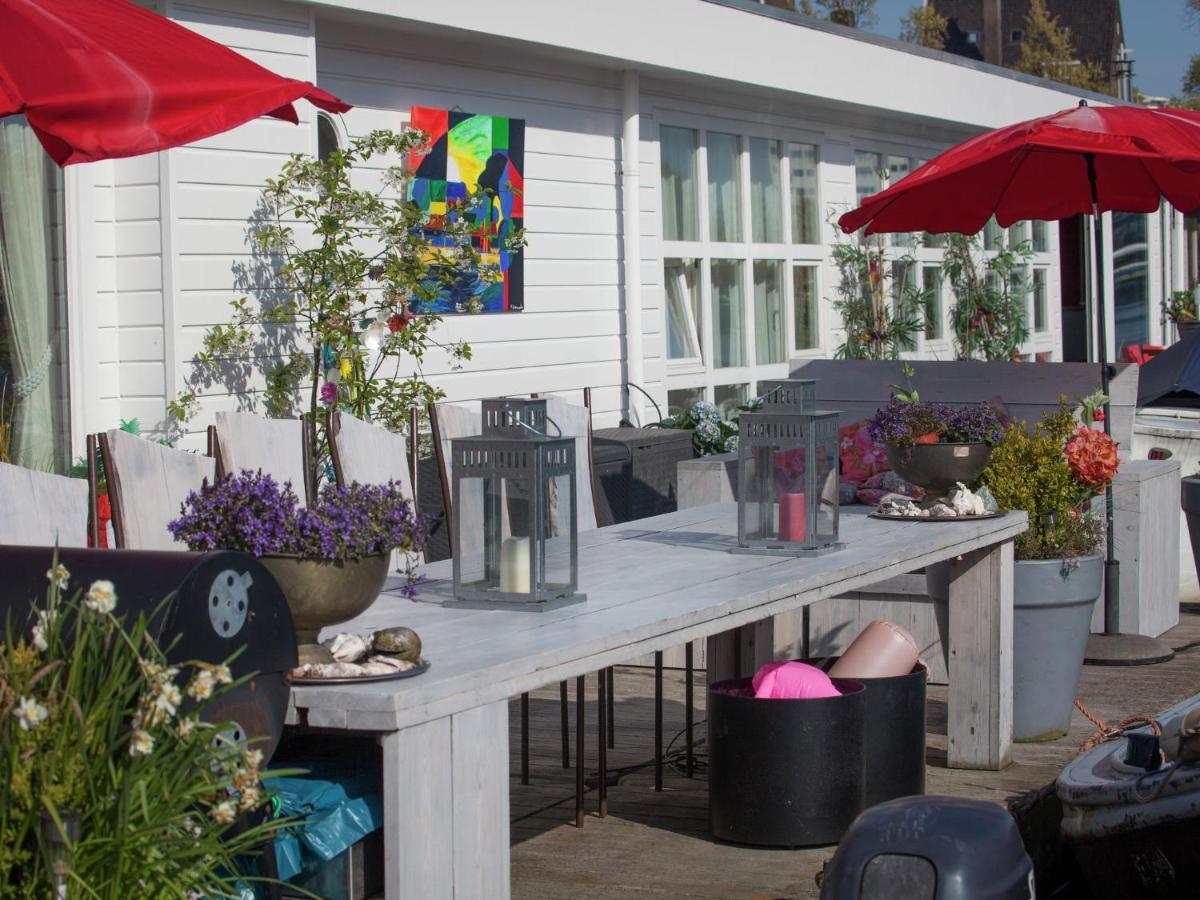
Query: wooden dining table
{"type": "Point", "coordinates": [651, 584]}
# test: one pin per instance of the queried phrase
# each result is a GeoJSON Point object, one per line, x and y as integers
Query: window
{"type": "Point", "coordinates": [805, 211]}
{"type": "Point", "coordinates": [972, 37]}
{"type": "Point", "coordinates": [804, 307]}
{"type": "Point", "coordinates": [678, 149]}
{"type": "Point", "coordinates": [1040, 318]}
{"type": "Point", "coordinates": [770, 338]}
{"type": "Point", "coordinates": [681, 280]}
{"type": "Point", "coordinates": [898, 168]}
{"type": "Point", "coordinates": [868, 179]}
{"type": "Point", "coordinates": [681, 400]}
{"type": "Point", "coordinates": [1041, 237]}
{"type": "Point", "coordinates": [1016, 36]}
{"type": "Point", "coordinates": [724, 188]}
{"type": "Point", "coordinates": [1131, 278]}
{"type": "Point", "coordinates": [728, 317]}
{"type": "Point", "coordinates": [33, 301]}
{"type": "Point", "coordinates": [327, 136]}
{"type": "Point", "coordinates": [991, 235]}
{"type": "Point", "coordinates": [1017, 234]}
{"type": "Point", "coordinates": [766, 191]}
{"type": "Point", "coordinates": [728, 397]}
{"type": "Point", "coordinates": [931, 287]}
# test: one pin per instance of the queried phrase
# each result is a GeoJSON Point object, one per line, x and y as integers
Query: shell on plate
{"type": "Point", "coordinates": [400, 642]}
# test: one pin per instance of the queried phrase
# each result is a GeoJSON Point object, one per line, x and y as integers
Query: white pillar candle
{"type": "Point", "coordinates": [514, 565]}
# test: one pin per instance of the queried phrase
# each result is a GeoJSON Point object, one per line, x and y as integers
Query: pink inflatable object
{"type": "Point", "coordinates": [882, 650]}
{"type": "Point", "coordinates": [792, 681]}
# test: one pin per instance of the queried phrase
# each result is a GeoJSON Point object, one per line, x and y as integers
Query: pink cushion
{"type": "Point", "coordinates": [861, 456]}
{"type": "Point", "coordinates": [792, 681]}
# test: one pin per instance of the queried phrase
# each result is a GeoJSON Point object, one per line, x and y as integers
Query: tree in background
{"type": "Point", "coordinates": [855, 13]}
{"type": "Point", "coordinates": [923, 25]}
{"type": "Point", "coordinates": [1047, 51]}
{"type": "Point", "coordinates": [1191, 78]}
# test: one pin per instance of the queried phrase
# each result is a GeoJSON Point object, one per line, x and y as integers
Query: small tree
{"type": "Point", "coordinates": [989, 314]}
{"type": "Point", "coordinates": [923, 25]}
{"type": "Point", "coordinates": [346, 279]}
{"type": "Point", "coordinates": [1047, 51]}
{"type": "Point", "coordinates": [880, 306]}
{"type": "Point", "coordinates": [855, 13]}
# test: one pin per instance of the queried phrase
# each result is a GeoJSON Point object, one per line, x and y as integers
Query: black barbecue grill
{"type": "Point", "coordinates": [220, 603]}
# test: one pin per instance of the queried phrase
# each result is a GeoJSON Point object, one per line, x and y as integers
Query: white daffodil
{"type": "Point", "coordinates": [39, 631]}
{"type": "Point", "coordinates": [224, 812]}
{"type": "Point", "coordinates": [221, 674]}
{"type": "Point", "coordinates": [30, 713]}
{"type": "Point", "coordinates": [185, 728]}
{"type": "Point", "coordinates": [254, 760]}
{"type": "Point", "coordinates": [167, 699]}
{"type": "Point", "coordinates": [201, 686]}
{"type": "Point", "coordinates": [101, 597]}
{"type": "Point", "coordinates": [141, 744]}
{"type": "Point", "coordinates": [59, 576]}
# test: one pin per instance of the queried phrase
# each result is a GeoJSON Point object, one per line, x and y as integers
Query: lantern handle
{"type": "Point", "coordinates": [529, 427]}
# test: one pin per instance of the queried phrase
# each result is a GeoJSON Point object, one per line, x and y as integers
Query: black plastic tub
{"type": "Point", "coordinates": [895, 749]}
{"type": "Point", "coordinates": [784, 773]}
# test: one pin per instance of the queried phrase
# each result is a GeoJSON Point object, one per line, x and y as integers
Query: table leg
{"type": "Point", "coordinates": [739, 652]}
{"type": "Point", "coordinates": [980, 667]}
{"type": "Point", "coordinates": [445, 807]}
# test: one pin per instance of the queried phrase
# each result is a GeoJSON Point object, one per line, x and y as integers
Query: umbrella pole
{"type": "Point", "coordinates": [1112, 648]}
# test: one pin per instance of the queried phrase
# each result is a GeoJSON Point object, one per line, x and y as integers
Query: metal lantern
{"type": "Point", "coordinates": [788, 474]}
{"type": "Point", "coordinates": [515, 535]}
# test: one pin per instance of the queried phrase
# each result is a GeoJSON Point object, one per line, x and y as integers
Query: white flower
{"type": "Point", "coordinates": [141, 744]}
{"type": "Point", "coordinates": [59, 576]}
{"type": "Point", "coordinates": [201, 685]}
{"type": "Point", "coordinates": [185, 728]}
{"type": "Point", "coordinates": [166, 699]}
{"type": "Point", "coordinates": [224, 812]}
{"type": "Point", "coordinates": [221, 674]}
{"type": "Point", "coordinates": [30, 713]}
{"type": "Point", "coordinates": [251, 797]}
{"type": "Point", "coordinates": [254, 760]}
{"type": "Point", "coordinates": [39, 631]}
{"type": "Point", "coordinates": [101, 597]}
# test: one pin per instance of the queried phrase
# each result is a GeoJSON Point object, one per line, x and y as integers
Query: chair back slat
{"type": "Point", "coordinates": [147, 485]}
{"type": "Point", "coordinates": [247, 441]}
{"type": "Point", "coordinates": [41, 508]}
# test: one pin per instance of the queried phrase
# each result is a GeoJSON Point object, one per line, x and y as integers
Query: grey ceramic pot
{"type": "Point", "coordinates": [1052, 618]}
{"type": "Point", "coordinates": [321, 593]}
{"type": "Point", "coordinates": [937, 467]}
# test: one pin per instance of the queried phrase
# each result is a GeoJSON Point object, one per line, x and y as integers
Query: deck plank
{"type": "Point", "coordinates": [657, 845]}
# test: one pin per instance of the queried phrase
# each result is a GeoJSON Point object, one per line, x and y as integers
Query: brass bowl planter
{"type": "Point", "coordinates": [323, 592]}
{"type": "Point", "coordinates": [938, 467]}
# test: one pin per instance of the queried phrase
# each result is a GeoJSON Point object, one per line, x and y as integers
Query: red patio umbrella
{"type": "Point", "coordinates": [1086, 160]}
{"type": "Point", "coordinates": [99, 79]}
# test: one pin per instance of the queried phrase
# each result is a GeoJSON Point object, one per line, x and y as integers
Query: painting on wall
{"type": "Point", "coordinates": [465, 152]}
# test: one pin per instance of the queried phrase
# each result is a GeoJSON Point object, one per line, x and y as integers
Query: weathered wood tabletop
{"type": "Point", "coordinates": [650, 585]}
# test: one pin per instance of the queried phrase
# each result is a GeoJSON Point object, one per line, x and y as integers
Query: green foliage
{"type": "Point", "coordinates": [342, 278]}
{"type": "Point", "coordinates": [1048, 51]}
{"type": "Point", "coordinates": [1180, 306]}
{"type": "Point", "coordinates": [925, 26]}
{"type": "Point", "coordinates": [94, 724]}
{"type": "Point", "coordinates": [855, 13]}
{"type": "Point", "coordinates": [989, 315]}
{"type": "Point", "coordinates": [881, 315]}
{"type": "Point", "coordinates": [710, 433]}
{"type": "Point", "coordinates": [1028, 471]}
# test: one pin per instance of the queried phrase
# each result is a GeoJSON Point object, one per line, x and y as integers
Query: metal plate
{"type": "Point", "coordinates": [928, 519]}
{"type": "Point", "coordinates": [365, 679]}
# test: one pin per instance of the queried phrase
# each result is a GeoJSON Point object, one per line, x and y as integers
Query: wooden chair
{"type": "Point", "coordinates": [369, 454]}
{"type": "Point", "coordinates": [42, 509]}
{"type": "Point", "coordinates": [279, 447]}
{"type": "Point", "coordinates": [455, 420]}
{"type": "Point", "coordinates": [147, 485]}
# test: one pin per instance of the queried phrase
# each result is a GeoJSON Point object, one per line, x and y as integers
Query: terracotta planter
{"type": "Point", "coordinates": [938, 467]}
{"type": "Point", "coordinates": [321, 593]}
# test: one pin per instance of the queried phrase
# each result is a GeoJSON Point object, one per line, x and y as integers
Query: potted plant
{"type": "Point", "coordinates": [112, 782]}
{"type": "Point", "coordinates": [934, 445]}
{"type": "Point", "coordinates": [1181, 310]}
{"type": "Point", "coordinates": [710, 433]}
{"type": "Point", "coordinates": [1055, 473]}
{"type": "Point", "coordinates": [330, 559]}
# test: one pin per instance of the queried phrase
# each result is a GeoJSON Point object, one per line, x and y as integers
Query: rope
{"type": "Point", "coordinates": [37, 374]}
{"type": "Point", "coordinates": [1106, 733]}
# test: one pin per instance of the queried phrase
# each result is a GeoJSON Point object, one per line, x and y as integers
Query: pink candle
{"type": "Point", "coordinates": [792, 526]}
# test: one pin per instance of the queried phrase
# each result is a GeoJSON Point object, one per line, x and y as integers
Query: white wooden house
{"type": "Point", "coordinates": [682, 158]}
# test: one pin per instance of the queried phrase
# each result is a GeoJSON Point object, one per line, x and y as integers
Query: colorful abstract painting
{"type": "Point", "coordinates": [466, 152]}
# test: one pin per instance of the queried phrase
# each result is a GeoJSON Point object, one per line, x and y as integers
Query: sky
{"type": "Point", "coordinates": [1157, 31]}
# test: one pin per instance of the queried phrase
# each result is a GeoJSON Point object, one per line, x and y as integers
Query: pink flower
{"type": "Point", "coordinates": [329, 392]}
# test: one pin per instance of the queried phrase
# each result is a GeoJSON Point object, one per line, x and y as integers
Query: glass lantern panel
{"type": "Point", "coordinates": [758, 490]}
{"type": "Point", "coordinates": [823, 517]}
{"type": "Point", "coordinates": [513, 511]}
{"type": "Point", "coordinates": [558, 576]}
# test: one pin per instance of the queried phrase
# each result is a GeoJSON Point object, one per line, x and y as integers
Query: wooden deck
{"type": "Point", "coordinates": [657, 844]}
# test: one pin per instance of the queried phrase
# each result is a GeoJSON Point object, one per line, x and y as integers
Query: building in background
{"type": "Point", "coordinates": [682, 164]}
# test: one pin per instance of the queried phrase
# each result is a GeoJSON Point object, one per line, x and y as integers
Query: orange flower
{"type": "Point", "coordinates": [1092, 457]}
